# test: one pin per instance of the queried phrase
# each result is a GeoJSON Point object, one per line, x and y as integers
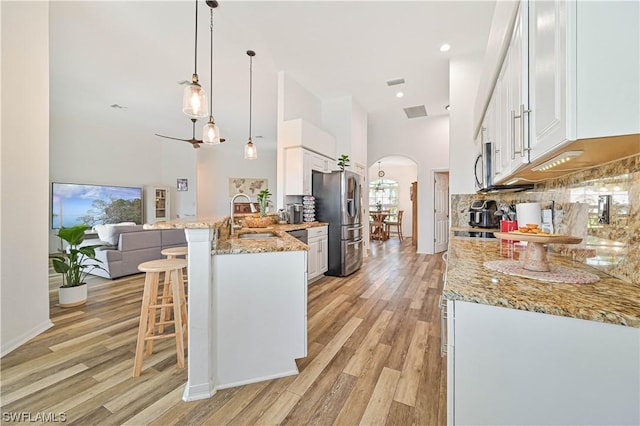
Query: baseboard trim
{"type": "Point", "coordinates": [13, 344]}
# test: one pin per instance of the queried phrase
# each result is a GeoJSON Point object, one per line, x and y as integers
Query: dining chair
{"type": "Point", "coordinates": [398, 225]}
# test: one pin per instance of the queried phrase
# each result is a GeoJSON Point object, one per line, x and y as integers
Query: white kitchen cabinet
{"type": "Point", "coordinates": [318, 259]}
{"type": "Point", "coordinates": [572, 73]}
{"type": "Point", "coordinates": [548, 65]}
{"type": "Point", "coordinates": [299, 165]}
{"type": "Point", "coordinates": [507, 366]}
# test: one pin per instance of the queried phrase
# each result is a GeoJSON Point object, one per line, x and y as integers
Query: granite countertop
{"type": "Point", "coordinates": [285, 242]}
{"type": "Point", "coordinates": [227, 244]}
{"type": "Point", "coordinates": [609, 300]}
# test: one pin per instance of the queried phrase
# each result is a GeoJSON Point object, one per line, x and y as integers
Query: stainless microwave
{"type": "Point", "coordinates": [483, 173]}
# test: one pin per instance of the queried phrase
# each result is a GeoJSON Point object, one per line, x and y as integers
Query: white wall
{"type": "Point", "coordinates": [218, 163]}
{"type": "Point", "coordinates": [463, 78]}
{"type": "Point", "coordinates": [424, 140]}
{"type": "Point", "coordinates": [294, 101]}
{"type": "Point", "coordinates": [404, 175]}
{"type": "Point", "coordinates": [24, 178]}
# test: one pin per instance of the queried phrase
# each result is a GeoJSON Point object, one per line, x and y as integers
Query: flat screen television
{"type": "Point", "coordinates": [75, 204]}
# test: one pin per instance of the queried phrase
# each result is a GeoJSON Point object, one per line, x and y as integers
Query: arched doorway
{"type": "Point", "coordinates": [390, 182]}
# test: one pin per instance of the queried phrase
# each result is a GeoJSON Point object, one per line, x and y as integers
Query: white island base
{"type": "Point", "coordinates": [247, 316]}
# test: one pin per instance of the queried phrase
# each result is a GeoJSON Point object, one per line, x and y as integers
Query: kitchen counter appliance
{"type": "Point", "coordinates": [338, 197]}
{"type": "Point", "coordinates": [295, 213]}
{"type": "Point", "coordinates": [482, 214]}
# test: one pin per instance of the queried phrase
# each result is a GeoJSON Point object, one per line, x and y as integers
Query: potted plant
{"type": "Point", "coordinates": [263, 220]}
{"type": "Point", "coordinates": [343, 161]}
{"type": "Point", "coordinates": [72, 264]}
{"type": "Point", "coordinates": [263, 201]}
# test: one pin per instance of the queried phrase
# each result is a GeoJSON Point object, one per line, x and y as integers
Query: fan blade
{"type": "Point", "coordinates": [175, 139]}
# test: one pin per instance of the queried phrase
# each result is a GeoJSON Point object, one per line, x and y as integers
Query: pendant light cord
{"type": "Point", "coordinates": [211, 67]}
{"type": "Point", "coordinates": [195, 63]}
{"type": "Point", "coordinates": [250, 91]}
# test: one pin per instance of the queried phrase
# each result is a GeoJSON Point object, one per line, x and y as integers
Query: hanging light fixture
{"type": "Point", "coordinates": [211, 132]}
{"type": "Point", "coordinates": [194, 100]}
{"type": "Point", "coordinates": [380, 176]}
{"type": "Point", "coordinates": [250, 151]}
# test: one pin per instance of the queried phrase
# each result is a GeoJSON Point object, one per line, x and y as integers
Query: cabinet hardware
{"type": "Point", "coordinates": [443, 324]}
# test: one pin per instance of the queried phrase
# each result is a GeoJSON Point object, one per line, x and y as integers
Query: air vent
{"type": "Point", "coordinates": [416, 111]}
{"type": "Point", "coordinates": [395, 82]}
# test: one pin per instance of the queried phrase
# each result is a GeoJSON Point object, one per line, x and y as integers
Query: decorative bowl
{"type": "Point", "coordinates": [258, 222]}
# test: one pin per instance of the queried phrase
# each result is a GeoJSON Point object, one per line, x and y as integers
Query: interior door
{"type": "Point", "coordinates": [441, 211]}
{"type": "Point", "coordinates": [414, 215]}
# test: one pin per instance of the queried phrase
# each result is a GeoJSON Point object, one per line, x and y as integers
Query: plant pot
{"type": "Point", "coordinates": [72, 296]}
{"type": "Point", "coordinates": [258, 222]}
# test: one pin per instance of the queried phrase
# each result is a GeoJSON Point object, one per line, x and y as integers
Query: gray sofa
{"type": "Point", "coordinates": [134, 246]}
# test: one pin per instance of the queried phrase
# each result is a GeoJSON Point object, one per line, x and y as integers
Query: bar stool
{"type": "Point", "coordinates": [150, 306]}
{"type": "Point", "coordinates": [171, 253]}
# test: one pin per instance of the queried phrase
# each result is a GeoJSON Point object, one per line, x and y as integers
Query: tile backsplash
{"type": "Point", "coordinates": [614, 247]}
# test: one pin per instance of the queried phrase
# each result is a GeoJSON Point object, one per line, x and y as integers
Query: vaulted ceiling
{"type": "Point", "coordinates": [135, 54]}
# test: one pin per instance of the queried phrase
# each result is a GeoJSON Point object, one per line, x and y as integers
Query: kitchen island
{"type": "Point", "coordinates": [523, 351]}
{"type": "Point", "coordinates": [247, 304]}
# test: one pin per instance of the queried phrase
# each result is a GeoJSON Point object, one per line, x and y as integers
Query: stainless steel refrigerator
{"type": "Point", "coordinates": [338, 197]}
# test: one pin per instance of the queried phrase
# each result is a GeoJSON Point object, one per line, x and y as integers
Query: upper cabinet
{"type": "Point", "coordinates": [301, 133]}
{"type": "Point", "coordinates": [299, 165]}
{"type": "Point", "coordinates": [569, 72]}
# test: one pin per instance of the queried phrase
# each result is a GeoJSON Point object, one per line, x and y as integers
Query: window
{"type": "Point", "coordinates": [383, 195]}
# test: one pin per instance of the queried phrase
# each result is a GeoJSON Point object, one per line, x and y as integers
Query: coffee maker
{"type": "Point", "coordinates": [295, 213]}
{"type": "Point", "coordinates": [482, 214]}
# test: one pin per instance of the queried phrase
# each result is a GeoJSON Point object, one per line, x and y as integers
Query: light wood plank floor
{"type": "Point", "coordinates": [373, 358]}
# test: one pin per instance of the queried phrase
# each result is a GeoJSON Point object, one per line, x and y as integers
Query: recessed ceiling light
{"type": "Point", "coordinates": [399, 95]}
{"type": "Point", "coordinates": [445, 47]}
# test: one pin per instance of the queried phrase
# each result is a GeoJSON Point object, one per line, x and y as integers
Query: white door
{"type": "Point", "coordinates": [441, 211]}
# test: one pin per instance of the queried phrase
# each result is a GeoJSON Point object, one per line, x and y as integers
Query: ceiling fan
{"type": "Point", "coordinates": [193, 141]}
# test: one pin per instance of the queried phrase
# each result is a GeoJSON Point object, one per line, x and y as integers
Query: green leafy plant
{"type": "Point", "coordinates": [343, 161]}
{"type": "Point", "coordinates": [72, 262]}
{"type": "Point", "coordinates": [263, 201]}
{"type": "Point", "coordinates": [378, 206]}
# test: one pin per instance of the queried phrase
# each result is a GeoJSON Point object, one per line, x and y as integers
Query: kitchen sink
{"type": "Point", "coordinates": [258, 236]}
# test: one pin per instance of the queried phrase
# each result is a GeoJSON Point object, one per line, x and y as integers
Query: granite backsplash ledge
{"type": "Point", "coordinates": [575, 201]}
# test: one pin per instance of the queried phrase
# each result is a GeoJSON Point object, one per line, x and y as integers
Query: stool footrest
{"type": "Point", "coordinates": [160, 336]}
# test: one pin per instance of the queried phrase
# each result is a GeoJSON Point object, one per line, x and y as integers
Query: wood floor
{"type": "Point", "coordinates": [373, 358]}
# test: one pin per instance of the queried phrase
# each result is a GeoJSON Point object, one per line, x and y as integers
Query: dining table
{"type": "Point", "coordinates": [378, 228]}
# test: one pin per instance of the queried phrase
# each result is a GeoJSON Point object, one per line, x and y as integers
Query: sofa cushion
{"type": "Point", "coordinates": [173, 237]}
{"type": "Point", "coordinates": [140, 240]}
{"type": "Point", "coordinates": [110, 233]}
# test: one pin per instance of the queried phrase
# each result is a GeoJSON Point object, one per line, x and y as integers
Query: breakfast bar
{"type": "Point", "coordinates": [247, 304]}
{"type": "Point", "coordinates": [522, 350]}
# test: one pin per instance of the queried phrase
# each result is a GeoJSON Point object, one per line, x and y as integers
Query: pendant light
{"type": "Point", "coordinates": [211, 132]}
{"type": "Point", "coordinates": [194, 100]}
{"type": "Point", "coordinates": [250, 151]}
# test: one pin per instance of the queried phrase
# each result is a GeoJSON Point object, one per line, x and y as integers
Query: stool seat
{"type": "Point", "coordinates": [162, 265]}
{"type": "Point", "coordinates": [175, 251]}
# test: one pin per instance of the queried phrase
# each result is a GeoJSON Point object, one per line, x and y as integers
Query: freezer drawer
{"type": "Point", "coordinates": [352, 256]}
{"type": "Point", "coordinates": [352, 232]}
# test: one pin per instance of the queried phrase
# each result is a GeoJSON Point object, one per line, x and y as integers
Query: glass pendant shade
{"type": "Point", "coordinates": [250, 151]}
{"type": "Point", "coordinates": [194, 101]}
{"type": "Point", "coordinates": [211, 133]}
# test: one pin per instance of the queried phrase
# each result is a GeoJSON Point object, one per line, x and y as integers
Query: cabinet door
{"type": "Point", "coordinates": [323, 255]}
{"type": "Point", "coordinates": [518, 90]}
{"type": "Point", "coordinates": [306, 173]}
{"type": "Point", "coordinates": [312, 259]}
{"type": "Point", "coordinates": [294, 171]}
{"type": "Point", "coordinates": [502, 152]}
{"type": "Point", "coordinates": [547, 75]}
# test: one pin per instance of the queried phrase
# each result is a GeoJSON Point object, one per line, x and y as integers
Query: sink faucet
{"type": "Point", "coordinates": [233, 200]}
